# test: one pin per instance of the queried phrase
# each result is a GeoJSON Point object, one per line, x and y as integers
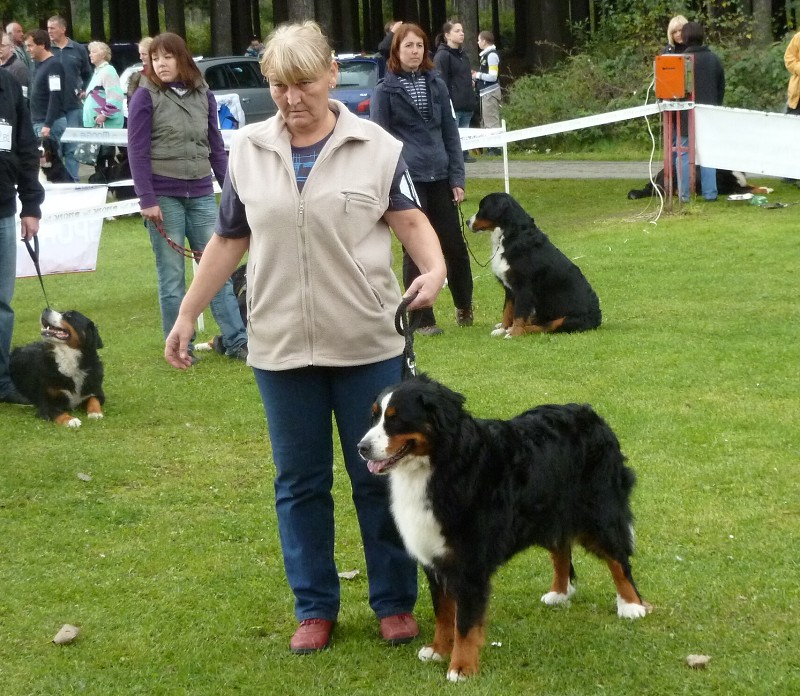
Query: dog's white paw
{"type": "Point", "coordinates": [628, 610]}
{"type": "Point", "coordinates": [553, 599]}
{"type": "Point", "coordinates": [428, 654]}
{"type": "Point", "coordinates": [455, 676]}
{"type": "Point", "coordinates": [203, 347]}
{"type": "Point", "coordinates": [500, 331]}
{"type": "Point", "coordinates": [95, 416]}
{"type": "Point", "coordinates": [73, 422]}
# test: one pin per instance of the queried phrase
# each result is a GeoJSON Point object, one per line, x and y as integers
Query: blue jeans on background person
{"type": "Point", "coordinates": [56, 131]}
{"type": "Point", "coordinates": [708, 176]}
{"type": "Point", "coordinates": [8, 272]}
{"type": "Point", "coordinates": [74, 120]}
{"type": "Point", "coordinates": [191, 219]}
{"type": "Point", "coordinates": [464, 118]}
{"type": "Point", "coordinates": [298, 404]}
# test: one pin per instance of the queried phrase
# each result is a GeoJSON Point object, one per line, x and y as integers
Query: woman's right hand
{"type": "Point", "coordinates": [153, 214]}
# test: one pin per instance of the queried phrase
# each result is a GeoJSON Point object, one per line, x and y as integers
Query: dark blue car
{"type": "Point", "coordinates": [358, 75]}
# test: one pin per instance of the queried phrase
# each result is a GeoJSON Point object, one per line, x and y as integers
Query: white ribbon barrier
{"type": "Point", "coordinates": [69, 231]}
{"type": "Point", "coordinates": [757, 142]}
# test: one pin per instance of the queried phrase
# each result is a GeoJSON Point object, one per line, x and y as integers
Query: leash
{"type": "Point", "coordinates": [469, 248]}
{"type": "Point", "coordinates": [182, 250]}
{"type": "Point", "coordinates": [34, 254]}
{"type": "Point", "coordinates": [406, 329]}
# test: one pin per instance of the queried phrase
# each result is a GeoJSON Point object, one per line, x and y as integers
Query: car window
{"type": "Point", "coordinates": [246, 75]}
{"type": "Point", "coordinates": [217, 77]}
{"type": "Point", "coordinates": [357, 74]}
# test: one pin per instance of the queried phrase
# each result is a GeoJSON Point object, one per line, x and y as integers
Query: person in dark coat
{"type": "Point", "coordinates": [413, 104]}
{"type": "Point", "coordinates": [453, 64]}
{"type": "Point", "coordinates": [709, 88]}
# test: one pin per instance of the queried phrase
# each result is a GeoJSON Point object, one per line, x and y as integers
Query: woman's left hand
{"type": "Point", "coordinates": [458, 194]}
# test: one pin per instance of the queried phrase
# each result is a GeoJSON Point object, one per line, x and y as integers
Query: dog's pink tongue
{"type": "Point", "coordinates": [375, 467]}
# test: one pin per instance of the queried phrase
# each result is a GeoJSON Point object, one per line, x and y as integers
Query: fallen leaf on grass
{"type": "Point", "coordinates": [67, 634]}
{"type": "Point", "coordinates": [349, 574]}
{"type": "Point", "coordinates": [697, 661]}
{"type": "Point", "coordinates": [84, 477]}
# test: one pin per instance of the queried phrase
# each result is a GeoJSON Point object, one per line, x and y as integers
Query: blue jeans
{"type": "Point", "coordinates": [708, 176]}
{"type": "Point", "coordinates": [463, 119]}
{"type": "Point", "coordinates": [74, 120]}
{"type": "Point", "coordinates": [192, 219]}
{"type": "Point", "coordinates": [56, 131]}
{"type": "Point", "coordinates": [8, 272]}
{"type": "Point", "coordinates": [298, 404]}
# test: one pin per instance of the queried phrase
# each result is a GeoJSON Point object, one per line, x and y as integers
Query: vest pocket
{"type": "Point", "coordinates": [352, 198]}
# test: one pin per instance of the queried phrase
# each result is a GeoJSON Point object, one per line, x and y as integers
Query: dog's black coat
{"type": "Point", "coordinates": [51, 163]}
{"type": "Point", "coordinates": [544, 290]}
{"type": "Point", "coordinates": [728, 183]}
{"type": "Point", "coordinates": [550, 477]}
{"type": "Point", "coordinates": [62, 371]}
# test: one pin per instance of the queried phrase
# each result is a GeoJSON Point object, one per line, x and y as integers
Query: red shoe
{"type": "Point", "coordinates": [399, 629]}
{"type": "Point", "coordinates": [312, 635]}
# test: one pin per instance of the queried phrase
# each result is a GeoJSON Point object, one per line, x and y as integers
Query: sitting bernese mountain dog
{"type": "Point", "coordinates": [544, 291]}
{"type": "Point", "coordinates": [728, 183]}
{"type": "Point", "coordinates": [63, 371]}
{"type": "Point", "coordinates": [51, 164]}
{"type": "Point", "coordinates": [468, 494]}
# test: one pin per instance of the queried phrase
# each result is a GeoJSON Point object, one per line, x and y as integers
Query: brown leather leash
{"type": "Point", "coordinates": [182, 250]}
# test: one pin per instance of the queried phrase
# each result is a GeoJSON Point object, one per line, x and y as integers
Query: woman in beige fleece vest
{"type": "Point", "coordinates": [311, 194]}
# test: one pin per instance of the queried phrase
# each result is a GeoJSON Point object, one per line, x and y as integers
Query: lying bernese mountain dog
{"type": "Point", "coordinates": [467, 494]}
{"type": "Point", "coordinates": [544, 291]}
{"type": "Point", "coordinates": [728, 183]}
{"type": "Point", "coordinates": [63, 371]}
{"type": "Point", "coordinates": [51, 164]}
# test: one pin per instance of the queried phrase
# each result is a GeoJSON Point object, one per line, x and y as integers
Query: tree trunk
{"type": "Point", "coordinates": [255, 14]}
{"type": "Point", "coordinates": [221, 40]}
{"type": "Point", "coordinates": [326, 19]}
{"type": "Point", "coordinates": [241, 27]}
{"type": "Point", "coordinates": [97, 26]}
{"type": "Point", "coordinates": [496, 24]}
{"type": "Point", "coordinates": [153, 24]}
{"type": "Point", "coordinates": [300, 10]}
{"type": "Point", "coordinates": [439, 16]}
{"type": "Point", "coordinates": [467, 12]}
{"type": "Point", "coordinates": [124, 21]}
{"type": "Point", "coordinates": [280, 12]}
{"type": "Point", "coordinates": [174, 18]}
{"type": "Point", "coordinates": [762, 22]}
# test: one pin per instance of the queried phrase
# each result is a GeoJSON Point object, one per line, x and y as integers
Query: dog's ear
{"type": "Point", "coordinates": [443, 406]}
{"type": "Point", "coordinates": [93, 337]}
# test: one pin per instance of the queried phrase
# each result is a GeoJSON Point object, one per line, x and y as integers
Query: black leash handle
{"type": "Point", "coordinates": [406, 329]}
{"type": "Point", "coordinates": [34, 254]}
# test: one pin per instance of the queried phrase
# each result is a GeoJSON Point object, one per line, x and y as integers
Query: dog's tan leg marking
{"type": "Point", "coordinates": [508, 314]}
{"type": "Point", "coordinates": [66, 419]}
{"type": "Point", "coordinates": [517, 327]}
{"type": "Point", "coordinates": [561, 563]}
{"type": "Point", "coordinates": [444, 633]}
{"type": "Point", "coordinates": [466, 654]}
{"type": "Point", "coordinates": [93, 407]}
{"type": "Point", "coordinates": [549, 327]}
{"type": "Point", "coordinates": [624, 587]}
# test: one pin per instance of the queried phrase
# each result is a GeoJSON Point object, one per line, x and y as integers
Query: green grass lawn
{"type": "Point", "coordinates": [168, 557]}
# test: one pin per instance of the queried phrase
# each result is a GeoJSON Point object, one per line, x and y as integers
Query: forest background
{"type": "Point", "coordinates": [561, 59]}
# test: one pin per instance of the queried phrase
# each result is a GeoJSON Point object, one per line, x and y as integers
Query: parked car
{"type": "Point", "coordinates": [358, 75]}
{"type": "Point", "coordinates": [231, 75]}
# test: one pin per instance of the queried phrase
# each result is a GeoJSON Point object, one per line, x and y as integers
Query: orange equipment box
{"type": "Point", "coordinates": [673, 77]}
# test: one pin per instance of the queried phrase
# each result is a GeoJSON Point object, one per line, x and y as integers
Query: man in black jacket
{"type": "Point", "coordinates": [47, 88]}
{"type": "Point", "coordinates": [19, 177]}
{"type": "Point", "coordinates": [709, 88]}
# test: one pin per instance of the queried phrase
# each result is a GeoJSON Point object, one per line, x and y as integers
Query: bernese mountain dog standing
{"type": "Point", "coordinates": [467, 494]}
{"type": "Point", "coordinates": [63, 371]}
{"type": "Point", "coordinates": [544, 291]}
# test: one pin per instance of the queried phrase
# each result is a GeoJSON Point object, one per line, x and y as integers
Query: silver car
{"type": "Point", "coordinates": [230, 75]}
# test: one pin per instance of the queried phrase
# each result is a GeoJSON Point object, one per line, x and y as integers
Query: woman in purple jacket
{"type": "Point", "coordinates": [174, 145]}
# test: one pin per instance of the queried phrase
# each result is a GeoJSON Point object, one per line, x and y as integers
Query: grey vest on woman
{"type": "Point", "coordinates": [179, 146]}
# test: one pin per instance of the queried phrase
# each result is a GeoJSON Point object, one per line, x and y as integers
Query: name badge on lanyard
{"type": "Point", "coordinates": [54, 82]}
{"type": "Point", "coordinates": [5, 135]}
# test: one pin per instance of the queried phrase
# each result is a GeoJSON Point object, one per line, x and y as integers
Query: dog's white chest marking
{"type": "Point", "coordinates": [499, 263]}
{"type": "Point", "coordinates": [68, 360]}
{"type": "Point", "coordinates": [419, 528]}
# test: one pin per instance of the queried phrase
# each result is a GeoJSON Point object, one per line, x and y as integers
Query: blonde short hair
{"type": "Point", "coordinates": [102, 46]}
{"type": "Point", "coordinates": [677, 22]}
{"type": "Point", "coordinates": [144, 44]}
{"type": "Point", "coordinates": [296, 52]}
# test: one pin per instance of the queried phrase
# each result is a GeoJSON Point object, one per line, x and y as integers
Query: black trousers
{"type": "Point", "coordinates": [436, 200]}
